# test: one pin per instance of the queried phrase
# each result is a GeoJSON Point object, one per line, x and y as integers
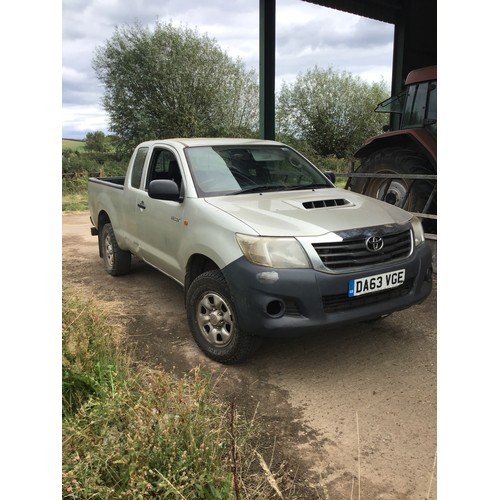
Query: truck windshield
{"type": "Point", "coordinates": [229, 170]}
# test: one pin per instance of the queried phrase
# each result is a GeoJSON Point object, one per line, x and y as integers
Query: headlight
{"type": "Point", "coordinates": [418, 231]}
{"type": "Point", "coordinates": [273, 252]}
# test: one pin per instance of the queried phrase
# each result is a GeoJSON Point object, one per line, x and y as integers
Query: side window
{"type": "Point", "coordinates": [432, 105]}
{"type": "Point", "coordinates": [164, 166]}
{"type": "Point", "coordinates": [431, 123]}
{"type": "Point", "coordinates": [415, 106]}
{"type": "Point", "coordinates": [138, 167]}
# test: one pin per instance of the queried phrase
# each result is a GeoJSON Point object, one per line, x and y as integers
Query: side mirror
{"type": "Point", "coordinates": [164, 189]}
{"type": "Point", "coordinates": [331, 176]}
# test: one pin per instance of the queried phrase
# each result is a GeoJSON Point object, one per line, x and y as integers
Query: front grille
{"type": "Point", "coordinates": [341, 302]}
{"type": "Point", "coordinates": [352, 252]}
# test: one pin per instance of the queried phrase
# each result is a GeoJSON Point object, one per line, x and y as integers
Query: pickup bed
{"type": "Point", "coordinates": [262, 241]}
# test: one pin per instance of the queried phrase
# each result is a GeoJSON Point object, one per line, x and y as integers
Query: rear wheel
{"type": "Point", "coordinates": [213, 322]}
{"type": "Point", "coordinates": [116, 260]}
{"type": "Point", "coordinates": [412, 195]}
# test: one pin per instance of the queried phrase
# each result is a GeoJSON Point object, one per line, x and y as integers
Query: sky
{"type": "Point", "coordinates": [307, 35]}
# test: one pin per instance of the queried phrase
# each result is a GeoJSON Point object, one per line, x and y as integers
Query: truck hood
{"type": "Point", "coordinates": [308, 213]}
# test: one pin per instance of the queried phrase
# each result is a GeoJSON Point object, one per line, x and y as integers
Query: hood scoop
{"type": "Point", "coordinates": [336, 202]}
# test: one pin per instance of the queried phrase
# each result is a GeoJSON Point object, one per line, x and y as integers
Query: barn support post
{"type": "Point", "coordinates": [267, 68]}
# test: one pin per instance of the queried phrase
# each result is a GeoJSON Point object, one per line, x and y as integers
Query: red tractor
{"type": "Point", "coordinates": [399, 166]}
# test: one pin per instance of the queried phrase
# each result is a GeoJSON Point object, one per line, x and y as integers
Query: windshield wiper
{"type": "Point", "coordinates": [308, 186]}
{"type": "Point", "coordinates": [259, 189]}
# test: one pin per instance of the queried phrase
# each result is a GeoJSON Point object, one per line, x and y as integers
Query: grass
{"type": "Point", "coordinates": [73, 144]}
{"type": "Point", "coordinates": [134, 432]}
{"type": "Point", "coordinates": [75, 202]}
{"type": "Point", "coordinates": [74, 194]}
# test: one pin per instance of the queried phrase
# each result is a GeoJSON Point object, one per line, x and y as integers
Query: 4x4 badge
{"type": "Point", "coordinates": [374, 243]}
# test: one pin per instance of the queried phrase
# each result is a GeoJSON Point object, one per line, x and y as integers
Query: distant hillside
{"type": "Point", "coordinates": [74, 144]}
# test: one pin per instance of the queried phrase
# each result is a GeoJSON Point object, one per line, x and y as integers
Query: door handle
{"type": "Point", "coordinates": [141, 205]}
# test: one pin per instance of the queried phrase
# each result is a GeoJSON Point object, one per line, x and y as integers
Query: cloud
{"type": "Point", "coordinates": [82, 118]}
{"type": "Point", "coordinates": [329, 38]}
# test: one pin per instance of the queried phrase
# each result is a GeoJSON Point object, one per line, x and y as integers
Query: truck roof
{"type": "Point", "coordinates": [213, 141]}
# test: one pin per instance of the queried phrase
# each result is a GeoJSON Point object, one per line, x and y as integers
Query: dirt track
{"type": "Point", "coordinates": [360, 402]}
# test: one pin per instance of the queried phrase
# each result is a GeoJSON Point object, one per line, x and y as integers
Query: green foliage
{"type": "Point", "coordinates": [173, 82]}
{"type": "Point", "coordinates": [332, 112]}
{"type": "Point", "coordinates": [104, 163]}
{"type": "Point", "coordinates": [79, 164]}
{"type": "Point", "coordinates": [327, 163]}
{"type": "Point", "coordinates": [96, 141]}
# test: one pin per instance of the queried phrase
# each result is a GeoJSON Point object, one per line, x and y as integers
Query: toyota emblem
{"type": "Point", "coordinates": [374, 243]}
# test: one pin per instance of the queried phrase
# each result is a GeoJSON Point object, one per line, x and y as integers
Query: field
{"type": "Point", "coordinates": [73, 144]}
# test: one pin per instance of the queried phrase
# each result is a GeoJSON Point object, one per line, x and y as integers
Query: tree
{"type": "Point", "coordinates": [96, 141]}
{"type": "Point", "coordinates": [332, 111]}
{"type": "Point", "coordinates": [173, 82]}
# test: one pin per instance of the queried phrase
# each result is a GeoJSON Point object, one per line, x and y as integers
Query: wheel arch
{"type": "Point", "coordinates": [415, 140]}
{"type": "Point", "coordinates": [196, 265]}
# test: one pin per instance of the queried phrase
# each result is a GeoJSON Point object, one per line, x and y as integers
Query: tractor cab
{"type": "Point", "coordinates": [416, 105]}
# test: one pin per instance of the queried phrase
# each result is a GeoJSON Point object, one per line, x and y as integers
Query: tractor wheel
{"type": "Point", "coordinates": [394, 191]}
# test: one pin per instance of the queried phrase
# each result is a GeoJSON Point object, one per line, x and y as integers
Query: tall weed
{"type": "Point", "coordinates": [136, 433]}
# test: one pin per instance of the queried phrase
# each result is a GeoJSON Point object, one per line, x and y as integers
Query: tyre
{"type": "Point", "coordinates": [213, 322]}
{"type": "Point", "coordinates": [394, 191]}
{"type": "Point", "coordinates": [116, 260]}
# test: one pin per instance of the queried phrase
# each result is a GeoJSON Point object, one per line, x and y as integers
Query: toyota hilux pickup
{"type": "Point", "coordinates": [261, 240]}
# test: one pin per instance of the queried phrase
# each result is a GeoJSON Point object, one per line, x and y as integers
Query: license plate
{"type": "Point", "coordinates": [376, 283]}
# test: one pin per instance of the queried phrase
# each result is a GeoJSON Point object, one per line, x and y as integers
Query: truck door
{"type": "Point", "coordinates": [129, 223]}
{"type": "Point", "coordinates": [160, 222]}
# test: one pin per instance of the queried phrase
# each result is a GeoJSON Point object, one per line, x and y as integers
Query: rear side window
{"type": "Point", "coordinates": [138, 167]}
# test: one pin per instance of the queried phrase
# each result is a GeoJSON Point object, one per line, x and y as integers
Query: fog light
{"type": "Point", "coordinates": [275, 308]}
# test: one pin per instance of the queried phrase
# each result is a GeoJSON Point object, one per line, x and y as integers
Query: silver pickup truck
{"type": "Point", "coordinates": [262, 241]}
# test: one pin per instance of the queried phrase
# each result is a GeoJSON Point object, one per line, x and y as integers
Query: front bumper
{"type": "Point", "coordinates": [286, 302]}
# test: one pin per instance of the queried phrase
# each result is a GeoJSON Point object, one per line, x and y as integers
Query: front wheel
{"type": "Point", "coordinates": [213, 323]}
{"type": "Point", "coordinates": [116, 260]}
